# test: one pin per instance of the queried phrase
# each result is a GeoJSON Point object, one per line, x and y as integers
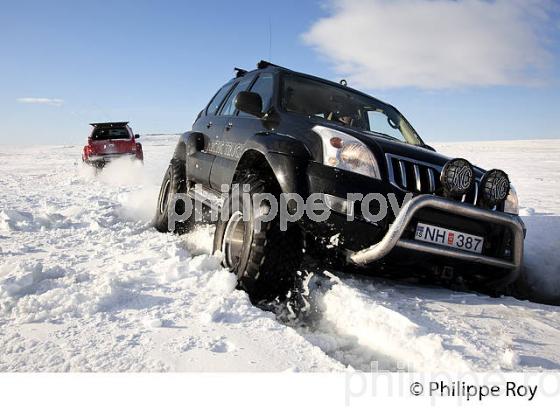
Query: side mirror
{"type": "Point", "coordinates": [136, 136]}
{"type": "Point", "coordinates": [249, 102]}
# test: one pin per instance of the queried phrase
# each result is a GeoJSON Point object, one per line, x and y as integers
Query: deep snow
{"type": "Point", "coordinates": [87, 285]}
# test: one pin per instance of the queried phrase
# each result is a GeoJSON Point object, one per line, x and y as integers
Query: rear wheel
{"type": "Point", "coordinates": [174, 182]}
{"type": "Point", "coordinates": [266, 260]}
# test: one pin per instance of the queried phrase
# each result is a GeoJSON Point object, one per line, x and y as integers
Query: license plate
{"type": "Point", "coordinates": [449, 238]}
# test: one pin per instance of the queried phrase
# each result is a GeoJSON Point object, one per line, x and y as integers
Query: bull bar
{"type": "Point", "coordinates": [393, 237]}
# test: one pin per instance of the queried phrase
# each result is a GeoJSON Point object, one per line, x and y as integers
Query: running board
{"type": "Point", "coordinates": [208, 197]}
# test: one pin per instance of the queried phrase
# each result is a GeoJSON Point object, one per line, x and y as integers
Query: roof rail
{"type": "Point", "coordinates": [239, 72]}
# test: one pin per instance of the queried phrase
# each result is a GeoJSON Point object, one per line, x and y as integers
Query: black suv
{"type": "Point", "coordinates": [276, 131]}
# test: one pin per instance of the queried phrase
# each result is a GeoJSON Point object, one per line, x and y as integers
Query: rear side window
{"type": "Point", "coordinates": [229, 106]}
{"type": "Point", "coordinates": [217, 100]}
{"type": "Point", "coordinates": [264, 86]}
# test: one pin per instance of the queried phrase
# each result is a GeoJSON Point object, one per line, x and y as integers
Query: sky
{"type": "Point", "coordinates": [457, 69]}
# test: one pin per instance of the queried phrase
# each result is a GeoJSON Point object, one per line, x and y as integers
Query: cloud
{"type": "Point", "coordinates": [55, 102]}
{"type": "Point", "coordinates": [436, 43]}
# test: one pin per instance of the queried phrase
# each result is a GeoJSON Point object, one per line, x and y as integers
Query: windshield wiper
{"type": "Point", "coordinates": [382, 135]}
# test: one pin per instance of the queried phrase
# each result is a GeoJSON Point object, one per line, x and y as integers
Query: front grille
{"type": "Point", "coordinates": [421, 177]}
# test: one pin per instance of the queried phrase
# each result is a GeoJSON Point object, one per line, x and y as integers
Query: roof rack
{"type": "Point", "coordinates": [108, 124]}
{"type": "Point", "coordinates": [239, 72]}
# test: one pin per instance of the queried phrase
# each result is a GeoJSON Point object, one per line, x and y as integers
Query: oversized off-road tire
{"type": "Point", "coordinates": [266, 260]}
{"type": "Point", "coordinates": [174, 182]}
{"type": "Point", "coordinates": [501, 285]}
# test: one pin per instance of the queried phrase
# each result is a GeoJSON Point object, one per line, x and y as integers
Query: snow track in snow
{"type": "Point", "coordinates": [356, 327]}
{"type": "Point", "coordinates": [360, 320]}
{"type": "Point", "coordinates": [86, 284]}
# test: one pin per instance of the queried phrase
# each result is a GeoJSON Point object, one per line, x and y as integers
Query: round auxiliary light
{"type": "Point", "coordinates": [495, 187]}
{"type": "Point", "coordinates": [457, 177]}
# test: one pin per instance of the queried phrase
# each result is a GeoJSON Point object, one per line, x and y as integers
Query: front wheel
{"type": "Point", "coordinates": [174, 182]}
{"type": "Point", "coordinates": [265, 260]}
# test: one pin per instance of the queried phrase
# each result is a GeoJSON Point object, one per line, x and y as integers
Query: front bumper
{"type": "Point", "coordinates": [394, 236]}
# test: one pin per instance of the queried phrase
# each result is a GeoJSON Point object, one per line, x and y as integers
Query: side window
{"type": "Point", "coordinates": [264, 86]}
{"type": "Point", "coordinates": [217, 100]}
{"type": "Point", "coordinates": [229, 106]}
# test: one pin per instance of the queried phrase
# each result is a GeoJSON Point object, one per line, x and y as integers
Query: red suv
{"type": "Point", "coordinates": [110, 140]}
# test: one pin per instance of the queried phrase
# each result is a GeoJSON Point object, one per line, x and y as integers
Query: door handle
{"type": "Point", "coordinates": [209, 124]}
{"type": "Point", "coordinates": [229, 125]}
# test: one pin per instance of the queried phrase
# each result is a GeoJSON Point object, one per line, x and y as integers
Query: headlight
{"type": "Point", "coordinates": [511, 205]}
{"type": "Point", "coordinates": [343, 151]}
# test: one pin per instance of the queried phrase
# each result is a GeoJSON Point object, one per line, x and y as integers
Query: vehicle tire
{"type": "Point", "coordinates": [266, 260]}
{"type": "Point", "coordinates": [174, 182]}
{"type": "Point", "coordinates": [503, 285]}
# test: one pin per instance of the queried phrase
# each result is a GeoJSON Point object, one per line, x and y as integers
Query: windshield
{"type": "Point", "coordinates": [345, 107]}
{"type": "Point", "coordinates": [110, 133]}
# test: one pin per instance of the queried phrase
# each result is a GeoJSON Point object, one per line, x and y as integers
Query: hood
{"type": "Point", "coordinates": [381, 147]}
{"type": "Point", "coordinates": [385, 147]}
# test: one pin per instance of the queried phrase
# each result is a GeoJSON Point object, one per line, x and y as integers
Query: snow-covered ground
{"type": "Point", "coordinates": [87, 285]}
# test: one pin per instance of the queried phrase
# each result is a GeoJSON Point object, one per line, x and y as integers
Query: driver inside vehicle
{"type": "Point", "coordinates": [345, 118]}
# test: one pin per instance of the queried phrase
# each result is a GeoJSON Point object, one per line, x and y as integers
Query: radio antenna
{"type": "Point", "coordinates": [269, 39]}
